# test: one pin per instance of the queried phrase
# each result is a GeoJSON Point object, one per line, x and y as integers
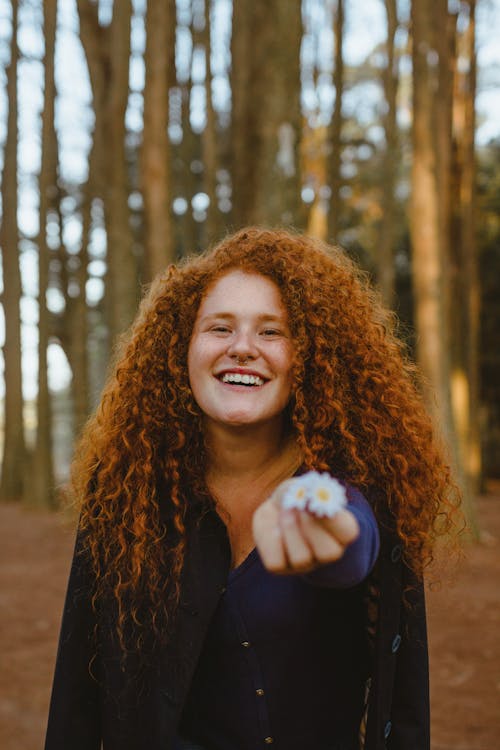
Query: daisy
{"type": "Point", "coordinates": [320, 494]}
{"type": "Point", "coordinates": [326, 495]}
{"type": "Point", "coordinates": [295, 495]}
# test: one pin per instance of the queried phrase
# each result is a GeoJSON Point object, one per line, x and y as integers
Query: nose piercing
{"type": "Point", "coordinates": [241, 360]}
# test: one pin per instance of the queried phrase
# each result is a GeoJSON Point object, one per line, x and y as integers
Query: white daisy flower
{"type": "Point", "coordinates": [295, 495]}
{"type": "Point", "coordinates": [326, 495]}
{"type": "Point", "coordinates": [320, 494]}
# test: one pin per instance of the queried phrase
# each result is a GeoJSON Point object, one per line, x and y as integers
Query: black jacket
{"type": "Point", "coordinates": [96, 699]}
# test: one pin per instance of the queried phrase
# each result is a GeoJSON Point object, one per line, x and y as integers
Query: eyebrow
{"type": "Point", "coordinates": [230, 316]}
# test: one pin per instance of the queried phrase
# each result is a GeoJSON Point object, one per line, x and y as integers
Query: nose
{"type": "Point", "coordinates": [242, 346]}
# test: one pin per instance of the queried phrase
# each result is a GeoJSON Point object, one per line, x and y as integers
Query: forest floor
{"type": "Point", "coordinates": [464, 627]}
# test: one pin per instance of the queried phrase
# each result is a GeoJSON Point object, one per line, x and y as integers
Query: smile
{"type": "Point", "coordinates": [234, 377]}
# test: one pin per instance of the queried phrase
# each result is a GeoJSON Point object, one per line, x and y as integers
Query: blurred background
{"type": "Point", "coordinates": [136, 132]}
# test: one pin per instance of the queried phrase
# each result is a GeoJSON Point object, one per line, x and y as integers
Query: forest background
{"type": "Point", "coordinates": [138, 132]}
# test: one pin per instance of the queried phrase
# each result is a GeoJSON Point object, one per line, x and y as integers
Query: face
{"type": "Point", "coordinates": [241, 352]}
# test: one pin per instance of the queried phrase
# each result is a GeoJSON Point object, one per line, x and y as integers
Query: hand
{"type": "Point", "coordinates": [294, 541]}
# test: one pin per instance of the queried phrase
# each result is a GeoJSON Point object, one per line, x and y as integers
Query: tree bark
{"type": "Point", "coordinates": [466, 312]}
{"type": "Point", "coordinates": [386, 275]}
{"type": "Point", "coordinates": [266, 115]}
{"type": "Point", "coordinates": [41, 492]}
{"type": "Point", "coordinates": [335, 129]}
{"type": "Point", "coordinates": [107, 50]}
{"type": "Point", "coordinates": [14, 453]}
{"type": "Point", "coordinates": [431, 281]}
{"type": "Point", "coordinates": [209, 140]}
{"type": "Point", "coordinates": [156, 152]}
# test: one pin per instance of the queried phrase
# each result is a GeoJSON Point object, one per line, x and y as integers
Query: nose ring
{"type": "Point", "coordinates": [241, 360]}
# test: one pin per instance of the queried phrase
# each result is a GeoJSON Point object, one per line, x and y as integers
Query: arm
{"type": "Point", "coordinates": [74, 717]}
{"type": "Point", "coordinates": [359, 557]}
{"type": "Point", "coordinates": [337, 551]}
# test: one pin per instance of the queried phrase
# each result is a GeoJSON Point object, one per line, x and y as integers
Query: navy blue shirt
{"type": "Point", "coordinates": [284, 661]}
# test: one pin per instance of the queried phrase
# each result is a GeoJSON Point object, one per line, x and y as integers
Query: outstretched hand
{"type": "Point", "coordinates": [295, 541]}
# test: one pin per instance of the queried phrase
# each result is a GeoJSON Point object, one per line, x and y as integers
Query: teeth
{"type": "Point", "coordinates": [233, 377]}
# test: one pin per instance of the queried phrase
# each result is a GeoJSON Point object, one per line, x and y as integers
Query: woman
{"type": "Point", "coordinates": [202, 612]}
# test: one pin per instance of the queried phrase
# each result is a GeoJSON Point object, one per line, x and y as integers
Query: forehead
{"type": "Point", "coordinates": [242, 290]}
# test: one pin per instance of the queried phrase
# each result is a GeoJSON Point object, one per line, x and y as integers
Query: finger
{"type": "Point", "coordinates": [343, 526]}
{"type": "Point", "coordinates": [325, 547]}
{"type": "Point", "coordinates": [279, 492]}
{"type": "Point", "coordinates": [267, 536]}
{"type": "Point", "coordinates": [297, 550]}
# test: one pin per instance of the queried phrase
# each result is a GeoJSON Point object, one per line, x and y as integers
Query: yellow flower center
{"type": "Point", "coordinates": [323, 494]}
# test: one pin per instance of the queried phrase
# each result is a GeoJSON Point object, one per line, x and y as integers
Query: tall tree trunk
{"type": "Point", "coordinates": [335, 128]}
{"type": "Point", "coordinates": [386, 242]}
{"type": "Point", "coordinates": [42, 480]}
{"type": "Point", "coordinates": [444, 42]}
{"type": "Point", "coordinates": [156, 151]}
{"type": "Point", "coordinates": [429, 256]}
{"type": "Point", "coordinates": [107, 50]}
{"type": "Point", "coordinates": [14, 453]}
{"type": "Point", "coordinates": [209, 139]}
{"type": "Point", "coordinates": [466, 310]}
{"type": "Point", "coordinates": [74, 328]}
{"type": "Point", "coordinates": [189, 153]}
{"type": "Point", "coordinates": [122, 276]}
{"type": "Point", "coordinates": [79, 359]}
{"type": "Point", "coordinates": [266, 116]}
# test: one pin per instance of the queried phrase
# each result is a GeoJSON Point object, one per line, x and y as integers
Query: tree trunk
{"type": "Point", "coordinates": [78, 357]}
{"type": "Point", "coordinates": [209, 140]}
{"type": "Point", "coordinates": [189, 153]}
{"type": "Point", "coordinates": [266, 115]}
{"type": "Point", "coordinates": [14, 453]}
{"type": "Point", "coordinates": [466, 311]}
{"type": "Point", "coordinates": [107, 50]}
{"type": "Point", "coordinates": [42, 479]}
{"type": "Point", "coordinates": [387, 236]}
{"type": "Point", "coordinates": [335, 128]}
{"type": "Point", "coordinates": [156, 151]}
{"type": "Point", "coordinates": [431, 282]}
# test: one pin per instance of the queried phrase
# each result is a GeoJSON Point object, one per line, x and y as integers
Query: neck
{"type": "Point", "coordinates": [248, 452]}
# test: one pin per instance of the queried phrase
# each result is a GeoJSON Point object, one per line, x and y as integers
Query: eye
{"type": "Point", "coordinates": [271, 332]}
{"type": "Point", "coordinates": [220, 328]}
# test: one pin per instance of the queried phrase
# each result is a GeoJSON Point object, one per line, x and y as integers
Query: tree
{"type": "Point", "coordinates": [13, 471]}
{"type": "Point", "coordinates": [209, 137]}
{"type": "Point", "coordinates": [266, 117]}
{"type": "Point", "coordinates": [465, 349]}
{"type": "Point", "coordinates": [107, 50]}
{"type": "Point", "coordinates": [335, 128]}
{"type": "Point", "coordinates": [430, 219]}
{"type": "Point", "coordinates": [41, 491]}
{"type": "Point", "coordinates": [386, 241]}
{"type": "Point", "coordinates": [156, 152]}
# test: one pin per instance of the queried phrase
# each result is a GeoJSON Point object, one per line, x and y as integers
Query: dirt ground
{"type": "Point", "coordinates": [464, 627]}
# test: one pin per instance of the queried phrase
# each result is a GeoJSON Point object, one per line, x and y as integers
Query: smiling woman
{"type": "Point", "coordinates": [207, 609]}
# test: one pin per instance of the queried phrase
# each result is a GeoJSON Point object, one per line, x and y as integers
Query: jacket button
{"type": "Point", "coordinates": [387, 729]}
{"type": "Point", "coordinates": [245, 644]}
{"type": "Point", "coordinates": [268, 740]}
{"type": "Point", "coordinates": [259, 691]}
{"type": "Point", "coordinates": [396, 643]}
{"type": "Point", "coordinates": [396, 553]}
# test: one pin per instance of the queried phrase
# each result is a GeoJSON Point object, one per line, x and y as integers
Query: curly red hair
{"type": "Point", "coordinates": [356, 411]}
